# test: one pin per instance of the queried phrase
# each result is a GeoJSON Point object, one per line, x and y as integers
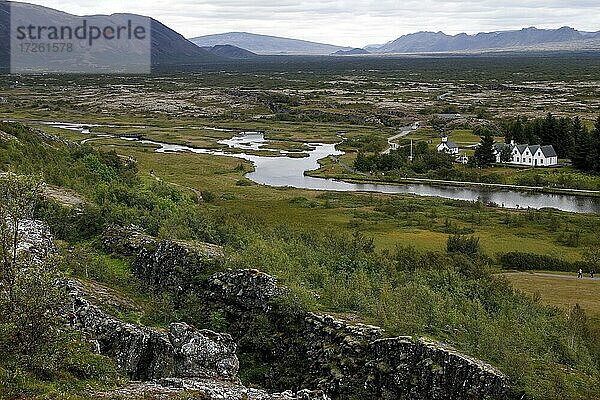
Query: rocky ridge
{"type": "Point", "coordinates": [343, 360]}
{"type": "Point", "coordinates": [183, 359]}
{"type": "Point", "coordinates": [307, 350]}
{"type": "Point", "coordinates": [201, 364]}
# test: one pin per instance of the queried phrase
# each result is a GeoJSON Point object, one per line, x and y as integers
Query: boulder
{"type": "Point", "coordinates": [202, 353]}
{"type": "Point", "coordinates": [246, 289]}
{"type": "Point", "coordinates": [147, 353]}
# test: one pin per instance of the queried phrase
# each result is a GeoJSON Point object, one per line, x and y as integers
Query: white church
{"type": "Point", "coordinates": [448, 146]}
{"type": "Point", "coordinates": [530, 155]}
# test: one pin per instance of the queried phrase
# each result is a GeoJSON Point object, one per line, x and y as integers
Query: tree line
{"type": "Point", "coordinates": [424, 159]}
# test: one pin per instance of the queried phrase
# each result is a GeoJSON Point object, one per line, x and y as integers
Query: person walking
{"type": "Point", "coordinates": [592, 272]}
{"type": "Point", "coordinates": [580, 273]}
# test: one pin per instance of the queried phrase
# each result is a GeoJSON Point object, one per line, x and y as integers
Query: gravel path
{"type": "Point", "coordinates": [586, 275]}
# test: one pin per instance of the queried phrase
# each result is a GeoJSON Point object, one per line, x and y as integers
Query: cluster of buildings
{"type": "Point", "coordinates": [521, 154]}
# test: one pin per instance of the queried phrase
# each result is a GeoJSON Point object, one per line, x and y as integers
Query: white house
{"type": "Point", "coordinates": [524, 154]}
{"type": "Point", "coordinates": [448, 146]}
{"type": "Point", "coordinates": [462, 159]}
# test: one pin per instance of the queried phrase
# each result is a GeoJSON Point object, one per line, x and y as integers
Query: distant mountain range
{"type": "Point", "coordinates": [427, 42]}
{"type": "Point", "coordinates": [267, 45]}
{"type": "Point", "coordinates": [351, 52]}
{"type": "Point", "coordinates": [526, 39]}
{"type": "Point", "coordinates": [169, 48]}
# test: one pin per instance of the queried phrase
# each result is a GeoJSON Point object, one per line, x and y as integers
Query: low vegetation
{"type": "Point", "coordinates": [416, 266]}
{"type": "Point", "coordinates": [39, 355]}
{"type": "Point", "coordinates": [452, 296]}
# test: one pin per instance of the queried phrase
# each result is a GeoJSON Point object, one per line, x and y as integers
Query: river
{"type": "Point", "coordinates": [284, 171]}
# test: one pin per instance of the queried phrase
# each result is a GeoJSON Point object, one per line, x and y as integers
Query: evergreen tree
{"type": "Point", "coordinates": [562, 137]}
{"type": "Point", "coordinates": [506, 154]}
{"type": "Point", "coordinates": [581, 151]}
{"type": "Point", "coordinates": [484, 154]}
{"type": "Point", "coordinates": [362, 163]}
{"type": "Point", "coordinates": [577, 129]}
{"type": "Point", "coordinates": [593, 157]}
{"type": "Point", "coordinates": [549, 130]}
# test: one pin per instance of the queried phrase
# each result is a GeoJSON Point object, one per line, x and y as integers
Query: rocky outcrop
{"type": "Point", "coordinates": [147, 353]}
{"type": "Point", "coordinates": [424, 370]}
{"type": "Point", "coordinates": [200, 364]}
{"type": "Point", "coordinates": [247, 289]}
{"type": "Point", "coordinates": [162, 264]}
{"type": "Point", "coordinates": [204, 390]}
{"type": "Point", "coordinates": [127, 241]}
{"type": "Point", "coordinates": [348, 359]}
{"type": "Point", "coordinates": [35, 239]}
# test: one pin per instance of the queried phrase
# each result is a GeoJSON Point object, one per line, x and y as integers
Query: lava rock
{"type": "Point", "coordinates": [147, 353]}
{"type": "Point", "coordinates": [198, 389]}
{"type": "Point", "coordinates": [202, 352]}
{"type": "Point", "coordinates": [247, 289]}
{"type": "Point", "coordinates": [35, 239]}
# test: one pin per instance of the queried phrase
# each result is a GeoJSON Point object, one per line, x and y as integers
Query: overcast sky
{"type": "Point", "coordinates": [347, 22]}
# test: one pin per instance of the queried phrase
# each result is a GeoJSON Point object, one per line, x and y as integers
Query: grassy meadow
{"type": "Point", "coordinates": [560, 292]}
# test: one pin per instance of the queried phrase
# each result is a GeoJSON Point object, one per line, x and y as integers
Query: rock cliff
{"type": "Point", "coordinates": [347, 359]}
{"type": "Point", "coordinates": [164, 264]}
{"type": "Point", "coordinates": [147, 353]}
{"type": "Point", "coordinates": [201, 364]}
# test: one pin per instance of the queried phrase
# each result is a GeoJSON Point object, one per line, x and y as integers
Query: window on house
{"type": "Point", "coordinates": [542, 161]}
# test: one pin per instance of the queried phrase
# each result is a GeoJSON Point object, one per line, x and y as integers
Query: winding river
{"type": "Point", "coordinates": [284, 171]}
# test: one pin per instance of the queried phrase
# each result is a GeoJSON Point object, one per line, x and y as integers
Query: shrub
{"type": "Point", "coordinates": [463, 244]}
{"type": "Point", "coordinates": [208, 196]}
{"type": "Point", "coordinates": [530, 262]}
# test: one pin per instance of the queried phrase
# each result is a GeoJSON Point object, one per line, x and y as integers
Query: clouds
{"type": "Point", "coordinates": [347, 22]}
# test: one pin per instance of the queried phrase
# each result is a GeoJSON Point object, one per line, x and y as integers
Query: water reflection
{"type": "Point", "coordinates": [287, 171]}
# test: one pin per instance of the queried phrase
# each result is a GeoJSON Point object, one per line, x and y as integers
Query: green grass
{"type": "Point", "coordinates": [422, 225]}
{"type": "Point", "coordinates": [560, 292]}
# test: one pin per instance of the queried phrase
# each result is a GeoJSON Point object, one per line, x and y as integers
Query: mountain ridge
{"type": "Point", "coordinates": [267, 44]}
{"type": "Point", "coordinates": [229, 51]}
{"type": "Point", "coordinates": [427, 41]}
{"type": "Point", "coordinates": [168, 47]}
